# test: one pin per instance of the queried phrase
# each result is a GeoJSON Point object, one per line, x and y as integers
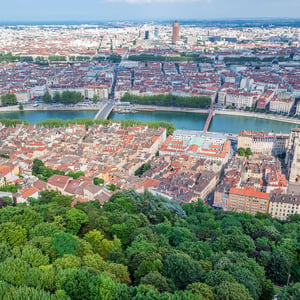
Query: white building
{"type": "Point", "coordinates": [282, 103]}
{"type": "Point", "coordinates": [240, 98]}
{"type": "Point", "coordinates": [263, 142]}
{"type": "Point", "coordinates": [283, 205]}
{"type": "Point", "coordinates": [101, 91]}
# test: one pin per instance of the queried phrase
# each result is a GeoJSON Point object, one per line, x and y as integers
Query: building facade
{"type": "Point", "coordinates": [293, 156]}
{"type": "Point", "coordinates": [248, 200]}
{"type": "Point", "coordinates": [282, 103]}
{"type": "Point", "coordinates": [283, 205]}
{"type": "Point", "coordinates": [261, 142]}
{"type": "Point", "coordinates": [176, 32]}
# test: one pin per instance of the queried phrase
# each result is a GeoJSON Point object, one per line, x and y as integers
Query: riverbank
{"type": "Point", "coordinates": [50, 108]}
{"type": "Point", "coordinates": [169, 108]}
{"type": "Point", "coordinates": [258, 115]}
{"type": "Point", "coordinates": [181, 120]}
{"type": "Point", "coordinates": [219, 112]}
{"type": "Point", "coordinates": [154, 108]}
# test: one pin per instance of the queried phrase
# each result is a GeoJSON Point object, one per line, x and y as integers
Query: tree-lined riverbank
{"type": "Point", "coordinates": [225, 122]}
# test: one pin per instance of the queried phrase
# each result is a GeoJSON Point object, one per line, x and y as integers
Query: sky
{"type": "Point", "coordinates": [144, 10]}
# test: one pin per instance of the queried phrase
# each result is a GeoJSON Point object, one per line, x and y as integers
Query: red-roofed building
{"type": "Point", "coordinates": [25, 193]}
{"type": "Point", "coordinates": [248, 200]}
{"type": "Point", "coordinates": [58, 182]}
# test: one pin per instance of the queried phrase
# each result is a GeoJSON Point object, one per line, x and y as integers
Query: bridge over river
{"type": "Point", "coordinates": [209, 118]}
{"type": "Point", "coordinates": [105, 110]}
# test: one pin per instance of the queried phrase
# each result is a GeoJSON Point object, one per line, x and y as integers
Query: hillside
{"type": "Point", "coordinates": [138, 246]}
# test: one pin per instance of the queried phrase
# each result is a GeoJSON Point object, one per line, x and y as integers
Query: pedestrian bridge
{"type": "Point", "coordinates": [209, 118]}
{"type": "Point", "coordinates": [105, 110]}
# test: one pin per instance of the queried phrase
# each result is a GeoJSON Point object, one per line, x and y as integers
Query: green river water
{"type": "Point", "coordinates": [182, 120]}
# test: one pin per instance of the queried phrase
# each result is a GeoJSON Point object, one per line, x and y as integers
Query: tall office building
{"type": "Point", "coordinates": [147, 35]}
{"type": "Point", "coordinates": [176, 29]}
{"type": "Point", "coordinates": [156, 32]}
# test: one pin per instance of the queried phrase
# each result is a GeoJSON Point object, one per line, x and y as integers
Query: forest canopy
{"type": "Point", "coordinates": [140, 246]}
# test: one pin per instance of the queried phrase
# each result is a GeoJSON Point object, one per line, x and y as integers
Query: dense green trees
{"type": "Point", "coordinates": [89, 122]}
{"type": "Point", "coordinates": [244, 152]}
{"type": "Point", "coordinates": [43, 172]}
{"type": "Point", "coordinates": [140, 171]}
{"type": "Point", "coordinates": [57, 58]}
{"type": "Point", "coordinates": [12, 123]}
{"type": "Point", "coordinates": [70, 97]}
{"type": "Point", "coordinates": [169, 100]}
{"type": "Point", "coordinates": [98, 181]}
{"type": "Point", "coordinates": [47, 98]}
{"type": "Point", "coordinates": [114, 58]}
{"type": "Point", "coordinates": [140, 246]}
{"type": "Point", "coordinates": [8, 57]}
{"type": "Point", "coordinates": [181, 57]}
{"type": "Point", "coordinates": [66, 97]}
{"type": "Point", "coordinates": [9, 99]}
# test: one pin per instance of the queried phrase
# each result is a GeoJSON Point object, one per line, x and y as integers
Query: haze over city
{"type": "Point", "coordinates": [119, 10]}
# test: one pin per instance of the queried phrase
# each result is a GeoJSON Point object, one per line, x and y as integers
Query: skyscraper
{"type": "Point", "coordinates": [147, 35]}
{"type": "Point", "coordinates": [156, 32]}
{"type": "Point", "coordinates": [175, 35]}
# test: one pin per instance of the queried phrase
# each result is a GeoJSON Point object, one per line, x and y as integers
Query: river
{"type": "Point", "coordinates": [182, 120]}
{"type": "Point", "coordinates": [219, 123]}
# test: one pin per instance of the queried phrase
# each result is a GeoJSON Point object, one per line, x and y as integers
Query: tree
{"type": "Point", "coordinates": [169, 100]}
{"type": "Point", "coordinates": [140, 171]}
{"type": "Point", "coordinates": [12, 234]}
{"type": "Point", "coordinates": [202, 289]}
{"type": "Point", "coordinates": [100, 244]}
{"type": "Point", "coordinates": [248, 152]}
{"type": "Point", "coordinates": [98, 181]}
{"type": "Point", "coordinates": [21, 107]}
{"type": "Point", "coordinates": [64, 243]}
{"type": "Point", "coordinates": [216, 277]}
{"type": "Point", "coordinates": [146, 292]}
{"type": "Point", "coordinates": [9, 99]}
{"type": "Point", "coordinates": [48, 99]}
{"type": "Point", "coordinates": [268, 290]}
{"type": "Point", "coordinates": [182, 269]}
{"type": "Point", "coordinates": [12, 270]}
{"type": "Point", "coordinates": [231, 291]}
{"type": "Point", "coordinates": [75, 219]}
{"type": "Point", "coordinates": [95, 98]}
{"type": "Point", "coordinates": [179, 235]}
{"type": "Point", "coordinates": [70, 97]}
{"type": "Point", "coordinates": [75, 175]}
{"type": "Point", "coordinates": [68, 261]}
{"type": "Point", "coordinates": [241, 151]}
{"type": "Point", "coordinates": [34, 256]}
{"type": "Point", "coordinates": [56, 97]}
{"type": "Point", "coordinates": [157, 280]}
{"type": "Point", "coordinates": [280, 265]}
{"type": "Point", "coordinates": [234, 242]}
{"type": "Point", "coordinates": [290, 292]}
{"type": "Point", "coordinates": [112, 187]}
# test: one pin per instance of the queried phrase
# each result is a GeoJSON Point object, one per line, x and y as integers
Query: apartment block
{"type": "Point", "coordinates": [248, 200]}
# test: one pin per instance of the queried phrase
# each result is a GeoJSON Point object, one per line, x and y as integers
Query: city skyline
{"type": "Point", "coordinates": [145, 10]}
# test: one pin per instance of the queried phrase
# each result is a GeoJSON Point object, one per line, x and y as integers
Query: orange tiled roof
{"type": "Point", "coordinates": [250, 193]}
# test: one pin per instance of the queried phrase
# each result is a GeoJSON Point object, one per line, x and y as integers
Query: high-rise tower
{"type": "Point", "coordinates": [176, 29]}
{"type": "Point", "coordinates": [156, 32]}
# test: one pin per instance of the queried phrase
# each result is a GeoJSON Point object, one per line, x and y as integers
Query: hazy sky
{"type": "Point", "coordinates": [104, 10]}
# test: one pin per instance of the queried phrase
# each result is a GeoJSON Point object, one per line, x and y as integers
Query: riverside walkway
{"type": "Point", "coordinates": [105, 110]}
